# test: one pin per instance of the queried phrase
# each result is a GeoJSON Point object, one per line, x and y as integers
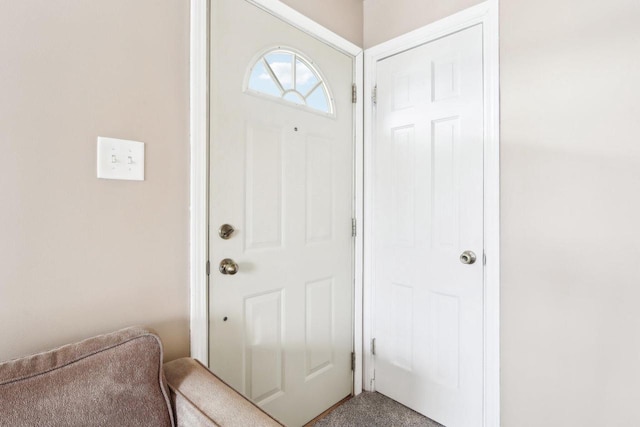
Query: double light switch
{"type": "Point", "coordinates": [120, 159]}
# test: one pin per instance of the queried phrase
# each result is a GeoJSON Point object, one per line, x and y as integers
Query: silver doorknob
{"type": "Point", "coordinates": [225, 231]}
{"type": "Point", "coordinates": [468, 257]}
{"type": "Point", "coordinates": [228, 266]}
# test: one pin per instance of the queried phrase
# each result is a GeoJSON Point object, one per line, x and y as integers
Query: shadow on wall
{"type": "Point", "coordinates": [569, 283]}
{"type": "Point", "coordinates": [175, 342]}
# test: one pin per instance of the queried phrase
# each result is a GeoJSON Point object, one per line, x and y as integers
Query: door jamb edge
{"type": "Point", "coordinates": [485, 13]}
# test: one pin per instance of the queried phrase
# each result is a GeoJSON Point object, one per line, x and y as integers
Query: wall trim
{"type": "Point", "coordinates": [199, 187]}
{"type": "Point", "coordinates": [199, 180]}
{"type": "Point", "coordinates": [358, 214]}
{"type": "Point", "coordinates": [485, 13]}
{"type": "Point", "coordinates": [307, 25]}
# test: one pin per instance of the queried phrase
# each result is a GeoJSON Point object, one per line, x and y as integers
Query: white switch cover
{"type": "Point", "coordinates": [120, 159]}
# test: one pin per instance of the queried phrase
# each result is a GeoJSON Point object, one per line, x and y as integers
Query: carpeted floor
{"type": "Point", "coordinates": [374, 410]}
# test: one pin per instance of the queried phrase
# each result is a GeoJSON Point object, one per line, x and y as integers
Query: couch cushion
{"type": "Point", "coordinates": [202, 399]}
{"type": "Point", "coordinates": [109, 380]}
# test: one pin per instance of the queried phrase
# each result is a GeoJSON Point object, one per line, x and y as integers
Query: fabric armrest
{"type": "Point", "coordinates": [202, 399]}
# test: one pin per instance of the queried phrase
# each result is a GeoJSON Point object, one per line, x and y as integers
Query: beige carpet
{"type": "Point", "coordinates": [374, 410]}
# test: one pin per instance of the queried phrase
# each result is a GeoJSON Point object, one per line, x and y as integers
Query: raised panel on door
{"type": "Point", "coordinates": [319, 189]}
{"type": "Point", "coordinates": [402, 187]}
{"type": "Point", "coordinates": [263, 186]}
{"type": "Point", "coordinates": [402, 326]}
{"type": "Point", "coordinates": [263, 331]}
{"type": "Point", "coordinates": [445, 195]}
{"type": "Point", "coordinates": [319, 326]}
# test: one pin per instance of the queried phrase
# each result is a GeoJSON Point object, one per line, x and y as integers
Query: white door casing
{"type": "Point", "coordinates": [428, 207]}
{"type": "Point", "coordinates": [281, 329]}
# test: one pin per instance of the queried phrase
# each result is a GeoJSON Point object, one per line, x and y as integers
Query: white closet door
{"type": "Point", "coordinates": [428, 207]}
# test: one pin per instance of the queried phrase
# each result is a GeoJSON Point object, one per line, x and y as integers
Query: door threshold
{"type": "Point", "coordinates": [328, 411]}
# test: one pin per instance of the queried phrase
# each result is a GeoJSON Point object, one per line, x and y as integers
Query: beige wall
{"type": "Point", "coordinates": [78, 255]}
{"type": "Point", "coordinates": [570, 160]}
{"type": "Point", "coordinates": [343, 17]}
{"type": "Point", "coordinates": [570, 212]}
{"type": "Point", "coordinates": [386, 19]}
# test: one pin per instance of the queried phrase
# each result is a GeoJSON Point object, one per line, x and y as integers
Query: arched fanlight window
{"type": "Point", "coordinates": [289, 76]}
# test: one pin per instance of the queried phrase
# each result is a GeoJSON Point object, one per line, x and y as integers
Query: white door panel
{"type": "Point", "coordinates": [281, 175]}
{"type": "Point", "coordinates": [428, 204]}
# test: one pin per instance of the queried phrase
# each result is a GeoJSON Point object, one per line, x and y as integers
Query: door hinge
{"type": "Point", "coordinates": [354, 227]}
{"type": "Point", "coordinates": [353, 361]}
{"type": "Point", "coordinates": [373, 346]}
{"type": "Point", "coordinates": [354, 93]}
{"type": "Point", "coordinates": [208, 268]}
{"type": "Point", "coordinates": [374, 94]}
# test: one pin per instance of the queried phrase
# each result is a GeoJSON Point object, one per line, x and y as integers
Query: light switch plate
{"type": "Point", "coordinates": [120, 159]}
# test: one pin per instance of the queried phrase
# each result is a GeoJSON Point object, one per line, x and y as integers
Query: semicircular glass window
{"type": "Point", "coordinates": [292, 78]}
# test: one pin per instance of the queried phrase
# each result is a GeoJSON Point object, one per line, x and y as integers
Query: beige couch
{"type": "Point", "coordinates": [118, 379]}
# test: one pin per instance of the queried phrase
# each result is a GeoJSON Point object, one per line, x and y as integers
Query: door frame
{"type": "Point", "coordinates": [199, 170]}
{"type": "Point", "coordinates": [486, 14]}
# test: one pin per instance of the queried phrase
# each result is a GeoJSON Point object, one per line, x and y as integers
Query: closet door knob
{"type": "Point", "coordinates": [468, 257]}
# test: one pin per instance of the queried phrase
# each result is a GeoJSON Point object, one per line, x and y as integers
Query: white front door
{"type": "Point", "coordinates": [281, 174]}
{"type": "Point", "coordinates": [427, 212]}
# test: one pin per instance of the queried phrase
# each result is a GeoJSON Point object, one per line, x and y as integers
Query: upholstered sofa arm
{"type": "Point", "coordinates": [201, 399]}
{"type": "Point", "coordinates": [109, 380]}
